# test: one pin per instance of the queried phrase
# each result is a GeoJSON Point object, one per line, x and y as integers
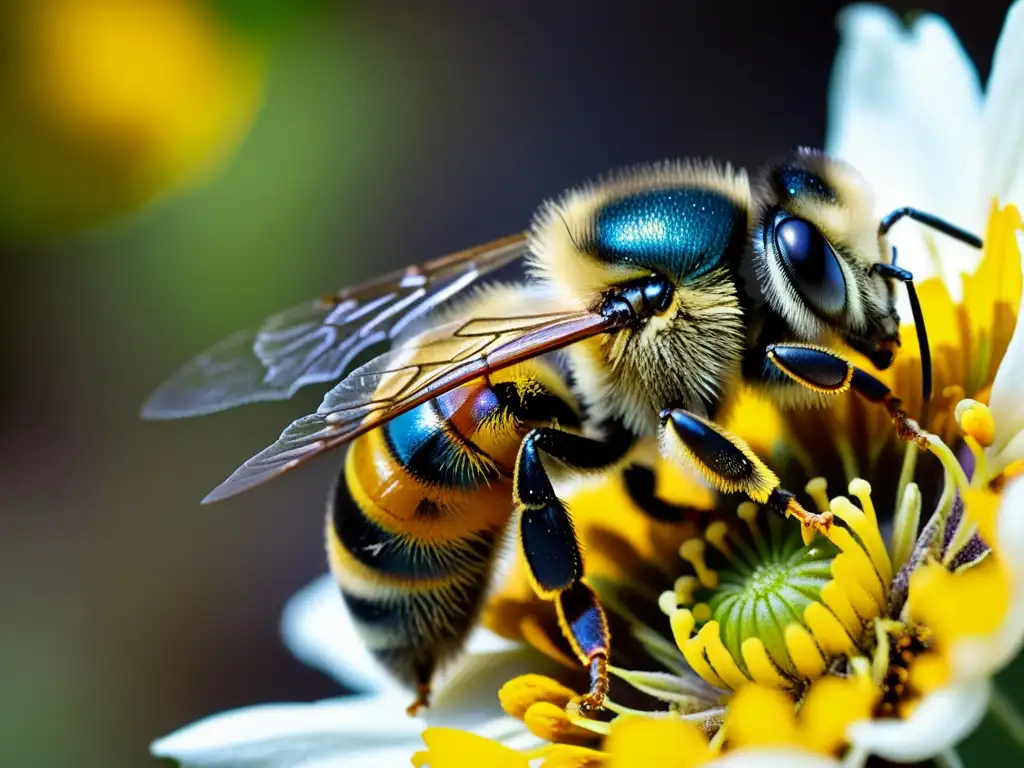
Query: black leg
{"type": "Point", "coordinates": [826, 372]}
{"type": "Point", "coordinates": [731, 466]}
{"type": "Point", "coordinates": [552, 551]}
{"type": "Point", "coordinates": [640, 484]}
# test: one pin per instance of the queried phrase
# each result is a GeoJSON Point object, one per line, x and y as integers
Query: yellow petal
{"type": "Point", "coordinates": [829, 708]}
{"type": "Point", "coordinates": [452, 748]}
{"type": "Point", "coordinates": [972, 602]}
{"type": "Point", "coordinates": [649, 742]}
{"type": "Point", "coordinates": [760, 716]}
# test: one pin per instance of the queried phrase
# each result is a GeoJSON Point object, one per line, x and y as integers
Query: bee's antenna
{"type": "Point", "coordinates": [928, 220]}
{"type": "Point", "coordinates": [905, 277]}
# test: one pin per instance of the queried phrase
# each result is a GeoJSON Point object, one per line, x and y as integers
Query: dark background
{"type": "Point", "coordinates": [386, 136]}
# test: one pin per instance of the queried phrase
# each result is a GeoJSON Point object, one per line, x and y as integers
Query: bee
{"type": "Point", "coordinates": [665, 289]}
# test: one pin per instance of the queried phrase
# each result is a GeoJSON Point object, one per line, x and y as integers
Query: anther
{"type": "Point", "coordinates": [693, 652]}
{"type": "Point", "coordinates": [668, 602]}
{"type": "Point", "coordinates": [716, 535]}
{"type": "Point", "coordinates": [692, 551]}
{"type": "Point", "coordinates": [685, 589]}
{"type": "Point", "coordinates": [682, 622]}
{"type": "Point", "coordinates": [817, 489]}
{"type": "Point", "coordinates": [759, 664]}
{"type": "Point", "coordinates": [747, 512]}
{"type": "Point", "coordinates": [804, 652]}
{"type": "Point", "coordinates": [827, 629]}
{"type": "Point", "coordinates": [720, 658]}
{"type": "Point", "coordinates": [702, 611]}
{"type": "Point", "coordinates": [975, 420]}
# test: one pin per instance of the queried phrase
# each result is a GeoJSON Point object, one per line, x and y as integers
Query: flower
{"type": "Point", "coordinates": [861, 644]}
{"type": "Point", "coordinates": [367, 729]}
{"type": "Point", "coordinates": [734, 641]}
{"type": "Point", "coordinates": [852, 644]}
{"type": "Point", "coordinates": [907, 109]}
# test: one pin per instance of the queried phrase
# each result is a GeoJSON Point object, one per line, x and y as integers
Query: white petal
{"type": "Point", "coordinates": [905, 110]}
{"type": "Point", "coordinates": [1006, 401]}
{"type": "Point", "coordinates": [1004, 113]}
{"type": "Point", "coordinates": [318, 629]}
{"type": "Point", "coordinates": [977, 657]}
{"type": "Point", "coordinates": [297, 735]}
{"type": "Point", "coordinates": [939, 722]}
{"type": "Point", "coordinates": [773, 757]}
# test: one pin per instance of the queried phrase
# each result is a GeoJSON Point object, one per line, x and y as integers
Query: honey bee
{"type": "Point", "coordinates": [666, 289]}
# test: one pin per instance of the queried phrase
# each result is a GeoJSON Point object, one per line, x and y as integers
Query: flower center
{"type": "Point", "coordinates": [903, 652]}
{"type": "Point", "coordinates": [759, 605]}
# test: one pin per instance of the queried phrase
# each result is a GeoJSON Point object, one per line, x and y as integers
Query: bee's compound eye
{"type": "Point", "coordinates": [812, 265]}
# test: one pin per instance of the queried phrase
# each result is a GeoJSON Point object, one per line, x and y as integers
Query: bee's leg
{"type": "Point", "coordinates": [731, 466]}
{"type": "Point", "coordinates": [826, 372]}
{"type": "Point", "coordinates": [640, 485]}
{"type": "Point", "coordinates": [552, 550]}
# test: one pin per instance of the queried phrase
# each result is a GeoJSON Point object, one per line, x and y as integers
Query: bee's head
{"type": "Point", "coordinates": [817, 249]}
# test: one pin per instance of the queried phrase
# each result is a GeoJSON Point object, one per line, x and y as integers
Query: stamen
{"type": "Point", "coordinates": [692, 551]}
{"type": "Point", "coordinates": [954, 476]}
{"type": "Point", "coordinates": [720, 658]}
{"type": "Point", "coordinates": [760, 666]}
{"type": "Point", "coordinates": [747, 512]}
{"type": "Point", "coordinates": [857, 557]}
{"type": "Point", "coordinates": [716, 535]}
{"type": "Point", "coordinates": [668, 603]}
{"type": "Point", "coordinates": [701, 612]}
{"type": "Point", "coordinates": [834, 596]}
{"type": "Point", "coordinates": [682, 622]}
{"type": "Point", "coordinates": [846, 573]}
{"type": "Point", "coordinates": [686, 588]}
{"type": "Point", "coordinates": [804, 652]}
{"type": "Point", "coordinates": [693, 651]}
{"type": "Point", "coordinates": [864, 522]}
{"type": "Point", "coordinates": [975, 420]}
{"type": "Point", "coordinates": [905, 526]}
{"type": "Point", "coordinates": [817, 489]}
{"type": "Point", "coordinates": [827, 629]}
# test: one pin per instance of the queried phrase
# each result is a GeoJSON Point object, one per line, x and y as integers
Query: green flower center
{"type": "Point", "coordinates": [765, 585]}
{"type": "Point", "coordinates": [758, 604]}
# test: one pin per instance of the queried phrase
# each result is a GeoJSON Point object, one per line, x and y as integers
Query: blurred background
{"type": "Point", "coordinates": [172, 170]}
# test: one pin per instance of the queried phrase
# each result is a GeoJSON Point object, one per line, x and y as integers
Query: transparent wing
{"type": "Point", "coordinates": [415, 372]}
{"type": "Point", "coordinates": [315, 342]}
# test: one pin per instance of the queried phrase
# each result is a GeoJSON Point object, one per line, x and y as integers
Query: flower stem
{"type": "Point", "coordinates": [1008, 715]}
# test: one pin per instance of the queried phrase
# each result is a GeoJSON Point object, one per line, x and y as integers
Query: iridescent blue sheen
{"type": "Point", "coordinates": [684, 233]}
{"type": "Point", "coordinates": [420, 442]}
{"type": "Point", "coordinates": [797, 182]}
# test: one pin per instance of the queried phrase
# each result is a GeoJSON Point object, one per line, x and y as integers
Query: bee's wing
{"type": "Point", "coordinates": [417, 371]}
{"type": "Point", "coordinates": [315, 342]}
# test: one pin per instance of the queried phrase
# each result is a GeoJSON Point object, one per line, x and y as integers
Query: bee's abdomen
{"type": "Point", "coordinates": [413, 528]}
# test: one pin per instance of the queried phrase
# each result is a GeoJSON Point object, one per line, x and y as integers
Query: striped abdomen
{"type": "Point", "coordinates": [413, 529]}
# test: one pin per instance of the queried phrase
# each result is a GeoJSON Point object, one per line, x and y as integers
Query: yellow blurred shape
{"type": "Point", "coordinates": [133, 95]}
